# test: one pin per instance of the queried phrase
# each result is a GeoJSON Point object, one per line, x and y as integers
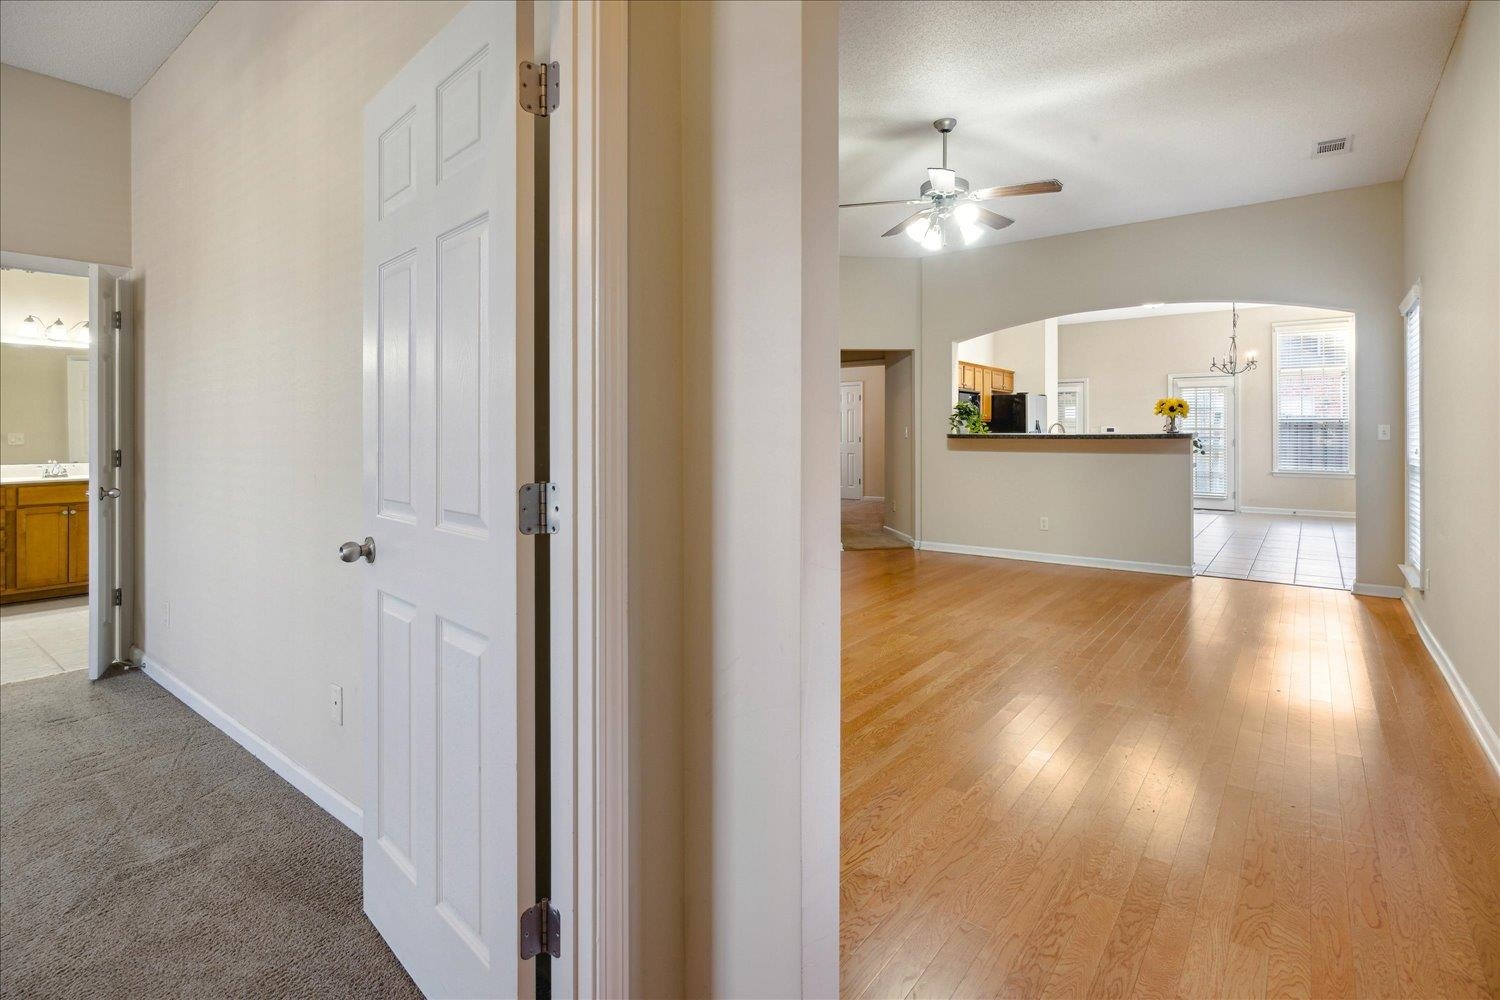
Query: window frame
{"type": "Point", "coordinates": [1311, 326]}
{"type": "Point", "coordinates": [1415, 575]}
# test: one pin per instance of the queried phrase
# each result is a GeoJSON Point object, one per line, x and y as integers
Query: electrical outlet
{"type": "Point", "coordinates": [336, 704]}
{"type": "Point", "coordinates": [906, 432]}
{"type": "Point", "coordinates": [1046, 524]}
{"type": "Point", "coordinates": [166, 615]}
{"type": "Point", "coordinates": [1383, 432]}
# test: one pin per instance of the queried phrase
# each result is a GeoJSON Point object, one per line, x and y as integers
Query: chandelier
{"type": "Point", "coordinates": [1231, 365]}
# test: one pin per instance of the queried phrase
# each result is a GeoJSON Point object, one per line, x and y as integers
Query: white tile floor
{"type": "Point", "coordinates": [43, 637]}
{"type": "Point", "coordinates": [1308, 551]}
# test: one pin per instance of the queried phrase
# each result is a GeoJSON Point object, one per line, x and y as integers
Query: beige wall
{"type": "Point", "coordinates": [64, 169]}
{"type": "Point", "coordinates": [247, 242]}
{"type": "Point", "coordinates": [880, 302]}
{"type": "Point", "coordinates": [761, 649]}
{"type": "Point", "coordinates": [1452, 193]}
{"type": "Point", "coordinates": [900, 441]}
{"type": "Point", "coordinates": [1127, 363]}
{"type": "Point", "coordinates": [1337, 250]}
{"type": "Point", "coordinates": [34, 402]}
{"type": "Point", "coordinates": [657, 423]}
{"type": "Point", "coordinates": [1126, 501]}
{"type": "Point", "coordinates": [1022, 349]}
{"type": "Point", "coordinates": [872, 374]}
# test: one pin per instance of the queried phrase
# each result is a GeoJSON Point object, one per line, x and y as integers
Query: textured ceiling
{"type": "Point", "coordinates": [110, 45]}
{"type": "Point", "coordinates": [1143, 110]}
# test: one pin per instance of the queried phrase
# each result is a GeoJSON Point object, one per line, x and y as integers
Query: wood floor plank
{"type": "Point", "coordinates": [1064, 782]}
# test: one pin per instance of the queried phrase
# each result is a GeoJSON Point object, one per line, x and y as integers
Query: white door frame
{"type": "Point", "coordinates": [1083, 400]}
{"type": "Point", "coordinates": [588, 375]}
{"type": "Point", "coordinates": [1233, 435]}
{"type": "Point", "coordinates": [111, 628]}
{"type": "Point", "coordinates": [860, 440]}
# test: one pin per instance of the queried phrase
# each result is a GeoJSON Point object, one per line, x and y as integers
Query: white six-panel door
{"type": "Point", "coordinates": [851, 440]}
{"type": "Point", "coordinates": [439, 492]}
{"type": "Point", "coordinates": [104, 507]}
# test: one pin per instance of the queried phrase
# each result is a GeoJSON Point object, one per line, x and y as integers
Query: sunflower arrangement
{"type": "Point", "coordinates": [1172, 406]}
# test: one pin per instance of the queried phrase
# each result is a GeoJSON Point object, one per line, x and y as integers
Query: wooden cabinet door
{"type": "Point", "coordinates": [78, 544]}
{"type": "Point", "coordinates": [983, 385]}
{"type": "Point", "coordinates": [965, 376]}
{"type": "Point", "coordinates": [42, 547]}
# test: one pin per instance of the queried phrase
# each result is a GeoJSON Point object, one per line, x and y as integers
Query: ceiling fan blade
{"type": "Point", "coordinates": [862, 204]}
{"type": "Point", "coordinates": [898, 227]}
{"type": "Point", "coordinates": [993, 219]}
{"type": "Point", "coordinates": [1012, 190]}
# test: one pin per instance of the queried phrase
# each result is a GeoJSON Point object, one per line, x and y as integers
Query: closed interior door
{"type": "Point", "coordinates": [1211, 416]}
{"type": "Point", "coordinates": [439, 671]}
{"type": "Point", "coordinates": [851, 440]}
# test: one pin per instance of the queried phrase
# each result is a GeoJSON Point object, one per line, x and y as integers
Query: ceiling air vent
{"type": "Point", "coordinates": [1331, 147]}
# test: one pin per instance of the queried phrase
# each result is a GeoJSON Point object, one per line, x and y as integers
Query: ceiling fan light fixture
{"type": "Point", "coordinates": [970, 231]}
{"type": "Point", "coordinates": [967, 213]}
{"type": "Point", "coordinates": [917, 228]}
{"type": "Point", "coordinates": [933, 240]}
{"type": "Point", "coordinates": [942, 179]}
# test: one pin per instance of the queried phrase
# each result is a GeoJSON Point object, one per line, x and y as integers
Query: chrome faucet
{"type": "Point", "coordinates": [1059, 425]}
{"type": "Point", "coordinates": [54, 470]}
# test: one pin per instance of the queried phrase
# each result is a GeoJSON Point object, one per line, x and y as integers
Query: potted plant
{"type": "Point", "coordinates": [1173, 408]}
{"type": "Point", "coordinates": [965, 419]}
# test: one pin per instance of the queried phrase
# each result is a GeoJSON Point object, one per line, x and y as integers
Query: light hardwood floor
{"type": "Point", "coordinates": [1070, 782]}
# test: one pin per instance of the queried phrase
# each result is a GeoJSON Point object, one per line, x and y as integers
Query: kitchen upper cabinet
{"type": "Point", "coordinates": [44, 540]}
{"type": "Point", "coordinates": [985, 379]}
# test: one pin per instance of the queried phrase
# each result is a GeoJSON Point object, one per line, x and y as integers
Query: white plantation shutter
{"type": "Point", "coordinates": [1208, 418]}
{"type": "Point", "coordinates": [1070, 407]}
{"type": "Point", "coordinates": [1413, 567]}
{"type": "Point", "coordinates": [1314, 403]}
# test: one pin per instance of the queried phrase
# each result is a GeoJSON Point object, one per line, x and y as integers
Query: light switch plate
{"type": "Point", "coordinates": [1383, 432]}
{"type": "Point", "coordinates": [14, 438]}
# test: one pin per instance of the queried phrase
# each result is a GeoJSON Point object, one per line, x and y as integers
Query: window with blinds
{"type": "Point", "coordinates": [1314, 398]}
{"type": "Point", "coordinates": [1413, 566]}
{"type": "Point", "coordinates": [1071, 406]}
{"type": "Point", "coordinates": [1208, 417]}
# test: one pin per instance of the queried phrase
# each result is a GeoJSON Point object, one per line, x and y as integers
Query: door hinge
{"type": "Point", "coordinates": [540, 88]}
{"type": "Point", "coordinates": [119, 458]}
{"type": "Point", "coordinates": [119, 597]}
{"type": "Point", "coordinates": [539, 509]}
{"type": "Point", "coordinates": [116, 319]}
{"type": "Point", "coordinates": [541, 931]}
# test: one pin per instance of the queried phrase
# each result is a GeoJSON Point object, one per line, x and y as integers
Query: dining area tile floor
{"type": "Point", "coordinates": [1274, 548]}
{"type": "Point", "coordinates": [42, 638]}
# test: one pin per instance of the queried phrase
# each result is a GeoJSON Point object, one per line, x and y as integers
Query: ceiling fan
{"type": "Point", "coordinates": [949, 205]}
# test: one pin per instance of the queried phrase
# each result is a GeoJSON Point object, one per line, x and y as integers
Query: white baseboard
{"type": "Point", "coordinates": [1485, 733]}
{"type": "Point", "coordinates": [1164, 569]}
{"type": "Point", "coordinates": [1377, 590]}
{"type": "Point", "coordinates": [296, 775]}
{"type": "Point", "coordinates": [872, 496]}
{"type": "Point", "coordinates": [1298, 512]}
{"type": "Point", "coordinates": [901, 535]}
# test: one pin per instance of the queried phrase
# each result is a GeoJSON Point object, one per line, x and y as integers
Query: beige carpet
{"type": "Point", "coordinates": [861, 526]}
{"type": "Point", "coordinates": [145, 854]}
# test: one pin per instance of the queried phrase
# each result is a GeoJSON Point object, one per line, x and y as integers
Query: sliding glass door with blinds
{"type": "Point", "coordinates": [1211, 416]}
{"type": "Point", "coordinates": [1314, 405]}
{"type": "Point", "coordinates": [1411, 310]}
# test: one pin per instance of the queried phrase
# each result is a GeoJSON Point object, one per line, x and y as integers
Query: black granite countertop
{"type": "Point", "coordinates": [1070, 437]}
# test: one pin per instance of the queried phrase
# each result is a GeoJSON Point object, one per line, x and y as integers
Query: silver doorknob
{"type": "Point", "coordinates": [352, 551]}
{"type": "Point", "coordinates": [111, 493]}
